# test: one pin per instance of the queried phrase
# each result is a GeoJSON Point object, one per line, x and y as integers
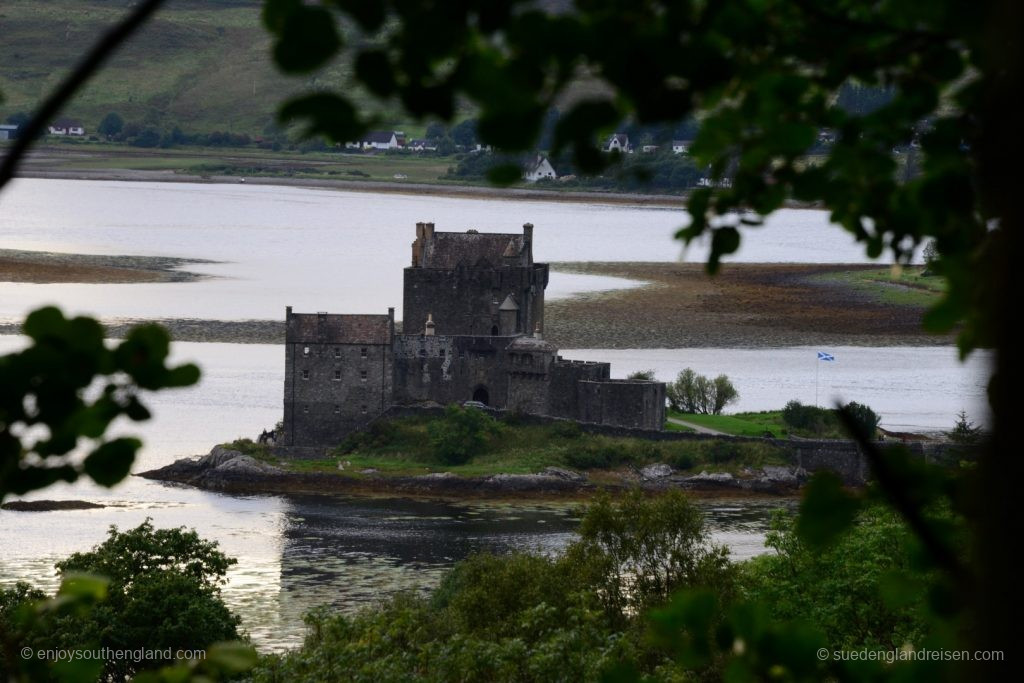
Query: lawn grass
{"type": "Point", "coordinates": [740, 424]}
{"type": "Point", "coordinates": [903, 287]}
{"type": "Point", "coordinates": [757, 424]}
{"type": "Point", "coordinates": [402, 448]}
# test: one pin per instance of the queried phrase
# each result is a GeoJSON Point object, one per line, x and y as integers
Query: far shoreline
{"type": "Point", "coordinates": [655, 201]}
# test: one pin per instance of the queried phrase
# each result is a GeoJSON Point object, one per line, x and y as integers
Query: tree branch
{"type": "Point", "coordinates": [893, 488]}
{"type": "Point", "coordinates": [74, 81]}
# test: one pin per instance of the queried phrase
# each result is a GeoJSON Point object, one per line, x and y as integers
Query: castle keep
{"type": "Point", "coordinates": [472, 330]}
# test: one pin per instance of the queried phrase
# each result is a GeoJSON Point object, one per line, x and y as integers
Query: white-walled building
{"type": "Point", "coordinates": [540, 169]}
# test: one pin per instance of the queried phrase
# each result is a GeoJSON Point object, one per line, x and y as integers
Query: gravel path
{"type": "Point", "coordinates": [696, 427]}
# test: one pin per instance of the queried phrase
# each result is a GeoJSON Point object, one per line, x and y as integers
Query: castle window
{"type": "Point", "coordinates": [423, 352]}
{"type": "Point", "coordinates": [305, 350]}
{"type": "Point", "coordinates": [305, 374]}
{"type": "Point", "coordinates": [337, 375]}
{"type": "Point", "coordinates": [362, 376]}
{"type": "Point", "coordinates": [364, 410]}
{"type": "Point", "coordinates": [440, 353]}
{"type": "Point", "coordinates": [337, 352]}
{"type": "Point", "coordinates": [305, 409]}
{"type": "Point", "coordinates": [337, 409]}
{"type": "Point", "coordinates": [362, 352]}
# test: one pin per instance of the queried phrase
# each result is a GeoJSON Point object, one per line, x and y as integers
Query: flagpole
{"type": "Point", "coordinates": [817, 362]}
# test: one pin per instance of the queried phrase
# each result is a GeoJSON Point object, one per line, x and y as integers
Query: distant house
{"type": "Point", "coordinates": [680, 146]}
{"type": "Point", "coordinates": [377, 139]}
{"type": "Point", "coordinates": [539, 169]}
{"type": "Point", "coordinates": [8, 131]}
{"type": "Point", "coordinates": [618, 143]}
{"type": "Point", "coordinates": [66, 127]}
{"type": "Point", "coordinates": [422, 145]}
{"type": "Point", "coordinates": [648, 149]}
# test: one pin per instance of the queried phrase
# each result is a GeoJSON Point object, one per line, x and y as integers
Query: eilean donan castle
{"type": "Point", "coordinates": [472, 331]}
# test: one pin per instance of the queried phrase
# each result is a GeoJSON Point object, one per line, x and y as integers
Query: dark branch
{"type": "Point", "coordinates": [893, 488]}
{"type": "Point", "coordinates": [75, 80]}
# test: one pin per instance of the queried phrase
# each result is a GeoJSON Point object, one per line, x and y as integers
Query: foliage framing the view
{"type": "Point", "coordinates": [764, 75]}
{"type": "Point", "coordinates": [46, 407]}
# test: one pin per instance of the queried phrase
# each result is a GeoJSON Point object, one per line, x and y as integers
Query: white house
{"type": "Point", "coordinates": [66, 127]}
{"type": "Point", "coordinates": [378, 139]}
{"type": "Point", "coordinates": [680, 146]}
{"type": "Point", "coordinates": [618, 143]}
{"type": "Point", "coordinates": [7, 131]}
{"type": "Point", "coordinates": [540, 169]}
{"type": "Point", "coordinates": [648, 149]}
{"type": "Point", "coordinates": [422, 145]}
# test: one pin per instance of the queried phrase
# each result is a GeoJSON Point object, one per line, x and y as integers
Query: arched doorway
{"type": "Point", "coordinates": [480, 394]}
{"type": "Point", "coordinates": [494, 331]}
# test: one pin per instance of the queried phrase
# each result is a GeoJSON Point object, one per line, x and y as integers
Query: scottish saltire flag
{"type": "Point", "coordinates": [826, 357]}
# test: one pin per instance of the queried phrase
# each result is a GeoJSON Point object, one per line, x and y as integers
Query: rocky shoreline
{"type": "Point", "coordinates": [230, 471]}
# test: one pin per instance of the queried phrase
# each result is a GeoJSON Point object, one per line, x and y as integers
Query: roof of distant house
{"type": "Point", "coordinates": [67, 123]}
{"type": "Point", "coordinates": [379, 136]}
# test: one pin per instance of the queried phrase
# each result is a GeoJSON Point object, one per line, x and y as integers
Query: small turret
{"type": "Point", "coordinates": [428, 329]}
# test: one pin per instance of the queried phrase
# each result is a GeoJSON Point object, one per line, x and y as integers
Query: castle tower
{"type": "Point", "coordinates": [466, 278]}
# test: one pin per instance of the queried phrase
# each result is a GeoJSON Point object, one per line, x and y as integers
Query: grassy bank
{"type": "Point", "coordinates": [405, 447]}
{"type": "Point", "coordinates": [763, 423]}
{"type": "Point", "coordinates": [902, 287]}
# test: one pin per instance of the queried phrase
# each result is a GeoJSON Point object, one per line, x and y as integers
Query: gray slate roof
{"type": "Point", "coordinates": [448, 250]}
{"type": "Point", "coordinates": [316, 328]}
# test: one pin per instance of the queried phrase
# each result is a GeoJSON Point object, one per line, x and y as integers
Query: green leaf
{"type": "Point", "coordinates": [110, 462]}
{"type": "Point", "coordinates": [182, 376]}
{"type": "Point", "coordinates": [327, 114]}
{"type": "Point", "coordinates": [231, 657]}
{"type": "Point", "coordinates": [308, 39]}
{"type": "Point", "coordinates": [77, 670]}
{"type": "Point", "coordinates": [374, 69]}
{"type": "Point", "coordinates": [370, 14]}
{"type": "Point", "coordinates": [826, 510]}
{"type": "Point", "coordinates": [504, 174]}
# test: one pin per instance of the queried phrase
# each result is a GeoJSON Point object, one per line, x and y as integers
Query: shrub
{"type": "Point", "coordinates": [461, 434]}
{"type": "Point", "coordinates": [681, 461]}
{"type": "Point", "coordinates": [565, 430]}
{"type": "Point", "coordinates": [865, 418]}
{"type": "Point", "coordinates": [719, 451]}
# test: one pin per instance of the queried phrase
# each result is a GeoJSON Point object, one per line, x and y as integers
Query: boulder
{"type": "Point", "coordinates": [563, 473]}
{"type": "Point", "coordinates": [244, 464]}
{"type": "Point", "coordinates": [716, 477]}
{"type": "Point", "coordinates": [657, 471]}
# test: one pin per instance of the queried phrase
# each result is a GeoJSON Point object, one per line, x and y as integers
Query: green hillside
{"type": "Point", "coordinates": [202, 65]}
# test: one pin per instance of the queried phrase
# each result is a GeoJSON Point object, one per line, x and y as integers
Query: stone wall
{"type": "Point", "coordinates": [637, 404]}
{"type": "Point", "coordinates": [450, 369]}
{"type": "Point", "coordinates": [565, 375]}
{"type": "Point", "coordinates": [333, 389]}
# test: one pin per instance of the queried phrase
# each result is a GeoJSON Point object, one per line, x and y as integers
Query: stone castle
{"type": "Point", "coordinates": [473, 316]}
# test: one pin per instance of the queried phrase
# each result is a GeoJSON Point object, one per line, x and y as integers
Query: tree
{"type": "Point", "coordinates": [464, 134]}
{"type": "Point", "coordinates": [164, 592]}
{"type": "Point", "coordinates": [724, 394]}
{"type": "Point", "coordinates": [436, 131]}
{"type": "Point", "coordinates": [111, 125]}
{"type": "Point", "coordinates": [693, 393]}
{"type": "Point", "coordinates": [462, 434]}
{"type": "Point", "coordinates": [965, 432]}
{"type": "Point", "coordinates": [646, 375]}
{"type": "Point", "coordinates": [864, 417]}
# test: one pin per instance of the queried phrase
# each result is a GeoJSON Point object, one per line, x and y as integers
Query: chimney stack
{"type": "Point", "coordinates": [536, 332]}
{"type": "Point", "coordinates": [428, 330]}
